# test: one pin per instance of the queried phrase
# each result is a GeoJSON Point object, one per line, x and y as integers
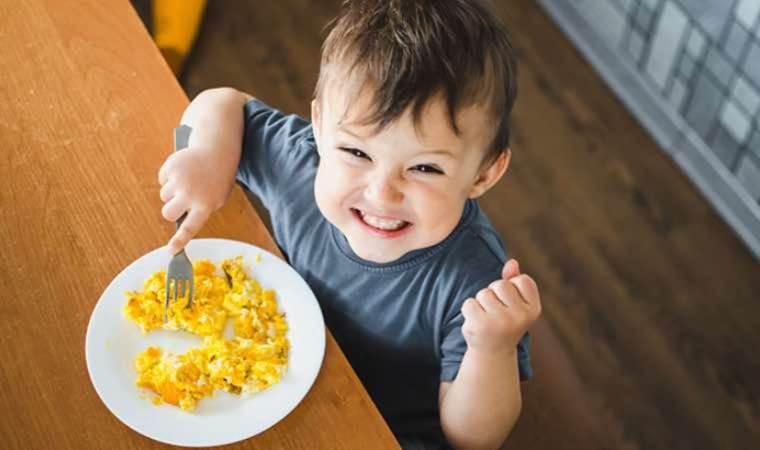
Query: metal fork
{"type": "Point", "coordinates": [180, 269]}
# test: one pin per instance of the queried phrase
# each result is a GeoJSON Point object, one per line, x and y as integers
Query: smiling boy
{"type": "Point", "coordinates": [373, 203]}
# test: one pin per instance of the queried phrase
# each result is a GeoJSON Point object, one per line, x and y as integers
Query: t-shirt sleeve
{"type": "Point", "coordinates": [481, 270]}
{"type": "Point", "coordinates": [272, 150]}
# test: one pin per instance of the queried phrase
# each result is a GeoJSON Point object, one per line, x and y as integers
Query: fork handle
{"type": "Point", "coordinates": [181, 141]}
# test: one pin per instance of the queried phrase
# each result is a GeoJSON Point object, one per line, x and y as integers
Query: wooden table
{"type": "Point", "coordinates": [87, 106]}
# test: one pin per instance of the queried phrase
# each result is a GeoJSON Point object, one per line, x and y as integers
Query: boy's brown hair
{"type": "Point", "coordinates": [409, 51]}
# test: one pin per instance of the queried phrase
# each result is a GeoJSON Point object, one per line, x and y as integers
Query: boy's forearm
{"type": "Point", "coordinates": [483, 403]}
{"type": "Point", "coordinates": [216, 117]}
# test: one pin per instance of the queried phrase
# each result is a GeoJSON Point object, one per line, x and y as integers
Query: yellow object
{"type": "Point", "coordinates": [175, 27]}
{"type": "Point", "coordinates": [254, 359]}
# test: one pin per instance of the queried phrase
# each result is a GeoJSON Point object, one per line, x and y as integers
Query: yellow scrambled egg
{"type": "Point", "coordinates": [254, 359]}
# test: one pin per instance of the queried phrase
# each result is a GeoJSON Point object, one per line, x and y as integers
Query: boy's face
{"type": "Point", "coordinates": [403, 188]}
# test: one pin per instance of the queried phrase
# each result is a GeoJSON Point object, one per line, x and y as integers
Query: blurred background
{"type": "Point", "coordinates": [632, 198]}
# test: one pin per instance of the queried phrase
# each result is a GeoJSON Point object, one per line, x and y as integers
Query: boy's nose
{"type": "Point", "coordinates": [383, 191]}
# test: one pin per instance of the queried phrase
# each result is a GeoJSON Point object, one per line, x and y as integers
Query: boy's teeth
{"type": "Point", "coordinates": [383, 224]}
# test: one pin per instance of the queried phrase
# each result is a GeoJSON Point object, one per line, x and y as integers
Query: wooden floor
{"type": "Point", "coordinates": [650, 334]}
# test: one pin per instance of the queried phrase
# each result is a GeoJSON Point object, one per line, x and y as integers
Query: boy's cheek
{"type": "Point", "coordinates": [331, 184]}
{"type": "Point", "coordinates": [339, 174]}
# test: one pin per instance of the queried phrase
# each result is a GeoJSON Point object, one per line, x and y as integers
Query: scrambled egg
{"type": "Point", "coordinates": [254, 359]}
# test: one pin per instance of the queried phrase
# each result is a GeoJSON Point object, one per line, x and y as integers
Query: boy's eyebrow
{"type": "Point", "coordinates": [443, 152]}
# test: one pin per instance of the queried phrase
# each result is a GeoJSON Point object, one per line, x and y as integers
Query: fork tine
{"type": "Point", "coordinates": [184, 289]}
{"type": "Point", "coordinates": [178, 290]}
{"type": "Point", "coordinates": [166, 302]}
{"type": "Point", "coordinates": [190, 298]}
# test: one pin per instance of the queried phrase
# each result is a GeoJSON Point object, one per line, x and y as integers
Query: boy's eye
{"type": "Point", "coordinates": [426, 168]}
{"type": "Point", "coordinates": [354, 152]}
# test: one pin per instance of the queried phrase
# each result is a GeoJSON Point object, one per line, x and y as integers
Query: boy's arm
{"type": "Point", "coordinates": [217, 120]}
{"type": "Point", "coordinates": [480, 407]}
{"type": "Point", "coordinates": [198, 180]}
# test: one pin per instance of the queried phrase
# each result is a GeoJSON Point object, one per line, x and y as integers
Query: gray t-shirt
{"type": "Point", "coordinates": [398, 323]}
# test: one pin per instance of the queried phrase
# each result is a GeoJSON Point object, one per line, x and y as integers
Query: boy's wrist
{"type": "Point", "coordinates": [492, 355]}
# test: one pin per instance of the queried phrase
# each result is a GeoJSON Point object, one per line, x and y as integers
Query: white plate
{"type": "Point", "coordinates": [113, 342]}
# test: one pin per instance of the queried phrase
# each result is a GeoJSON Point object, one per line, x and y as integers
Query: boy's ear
{"type": "Point", "coordinates": [489, 175]}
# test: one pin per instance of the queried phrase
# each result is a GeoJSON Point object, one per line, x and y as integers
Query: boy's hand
{"type": "Point", "coordinates": [499, 315]}
{"type": "Point", "coordinates": [195, 182]}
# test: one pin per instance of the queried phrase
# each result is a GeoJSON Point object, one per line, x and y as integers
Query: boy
{"type": "Point", "coordinates": [374, 204]}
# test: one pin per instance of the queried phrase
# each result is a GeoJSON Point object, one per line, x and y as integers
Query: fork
{"type": "Point", "coordinates": [180, 269]}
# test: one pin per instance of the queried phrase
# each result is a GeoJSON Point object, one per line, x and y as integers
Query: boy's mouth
{"type": "Point", "coordinates": [380, 225]}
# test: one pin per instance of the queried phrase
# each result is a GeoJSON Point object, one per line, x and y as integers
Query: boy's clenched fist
{"type": "Point", "coordinates": [499, 315]}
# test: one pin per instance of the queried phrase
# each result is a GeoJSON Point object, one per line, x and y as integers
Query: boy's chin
{"type": "Point", "coordinates": [377, 255]}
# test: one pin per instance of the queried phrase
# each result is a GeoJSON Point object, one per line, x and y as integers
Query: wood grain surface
{"type": "Point", "coordinates": [87, 106]}
{"type": "Point", "coordinates": [651, 312]}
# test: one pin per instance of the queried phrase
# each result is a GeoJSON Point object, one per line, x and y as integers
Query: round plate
{"type": "Point", "coordinates": [113, 342]}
